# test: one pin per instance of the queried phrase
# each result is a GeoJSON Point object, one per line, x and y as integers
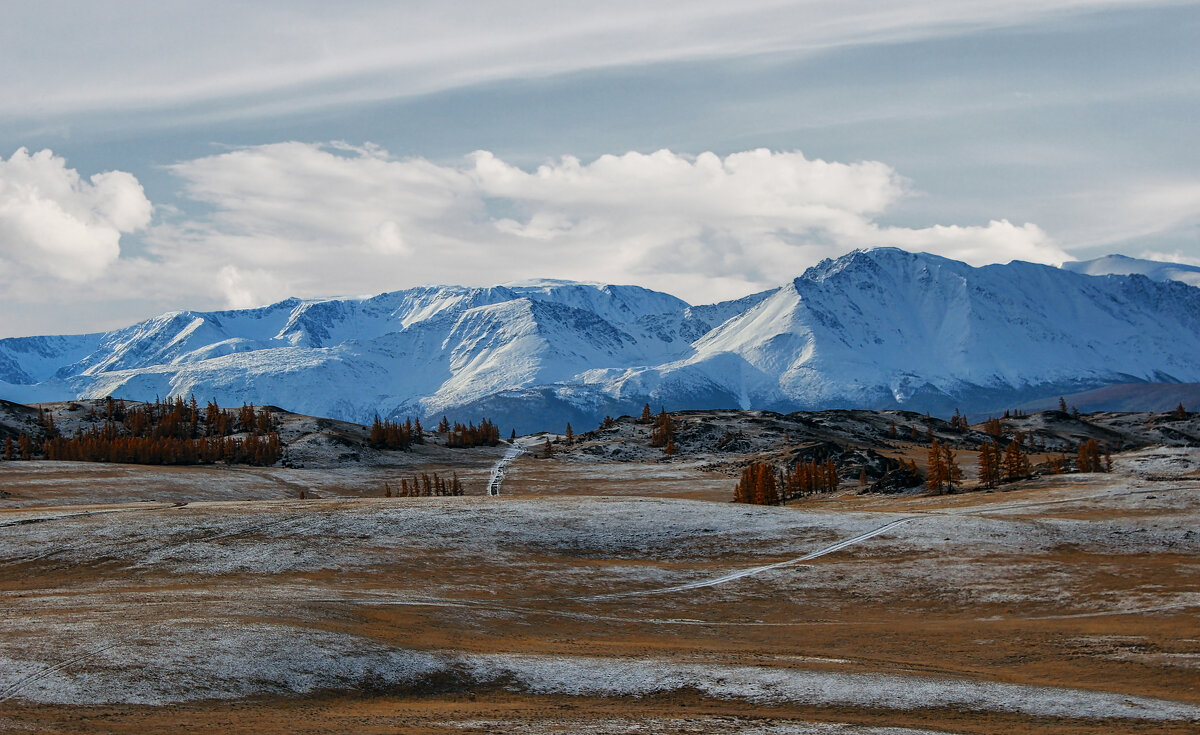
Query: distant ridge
{"type": "Point", "coordinates": [1123, 265]}
{"type": "Point", "coordinates": [1131, 397]}
{"type": "Point", "coordinates": [880, 328]}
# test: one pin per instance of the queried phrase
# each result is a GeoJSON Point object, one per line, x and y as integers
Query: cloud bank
{"type": "Point", "coordinates": [313, 220]}
{"type": "Point", "coordinates": [55, 225]}
{"type": "Point", "coordinates": [295, 218]}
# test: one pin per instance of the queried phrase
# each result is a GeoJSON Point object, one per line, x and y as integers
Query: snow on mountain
{"type": "Point", "coordinates": [872, 329]}
{"type": "Point", "coordinates": [887, 328]}
{"type": "Point", "coordinates": [1123, 265]}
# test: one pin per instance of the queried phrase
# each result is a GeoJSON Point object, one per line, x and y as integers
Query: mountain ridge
{"type": "Point", "coordinates": [880, 328]}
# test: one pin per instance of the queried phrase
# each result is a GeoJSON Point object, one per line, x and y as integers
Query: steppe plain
{"type": "Point", "coordinates": [596, 596]}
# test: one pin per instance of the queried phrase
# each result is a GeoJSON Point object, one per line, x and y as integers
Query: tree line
{"type": "Point", "coordinates": [426, 486]}
{"type": "Point", "coordinates": [662, 434]}
{"type": "Point", "coordinates": [459, 436]}
{"type": "Point", "coordinates": [174, 432]}
{"type": "Point", "coordinates": [394, 435]}
{"type": "Point", "coordinates": [763, 484]}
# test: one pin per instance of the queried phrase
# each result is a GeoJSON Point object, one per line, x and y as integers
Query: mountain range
{"type": "Point", "coordinates": [880, 328]}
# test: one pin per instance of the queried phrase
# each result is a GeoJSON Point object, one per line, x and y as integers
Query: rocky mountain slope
{"type": "Point", "coordinates": [873, 329]}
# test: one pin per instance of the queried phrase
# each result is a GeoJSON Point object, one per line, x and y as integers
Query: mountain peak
{"type": "Point", "coordinates": [873, 260]}
{"type": "Point", "coordinates": [551, 283]}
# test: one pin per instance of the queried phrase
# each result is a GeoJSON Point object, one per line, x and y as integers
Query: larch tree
{"type": "Point", "coordinates": [663, 432]}
{"type": "Point", "coordinates": [937, 472]}
{"type": "Point", "coordinates": [989, 464]}
{"type": "Point", "coordinates": [953, 471]}
{"type": "Point", "coordinates": [743, 492]}
{"type": "Point", "coordinates": [1088, 458]}
{"type": "Point", "coordinates": [1016, 463]}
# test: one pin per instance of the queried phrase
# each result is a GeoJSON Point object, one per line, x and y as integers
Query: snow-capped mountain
{"type": "Point", "coordinates": [872, 329]}
{"type": "Point", "coordinates": [1123, 265]}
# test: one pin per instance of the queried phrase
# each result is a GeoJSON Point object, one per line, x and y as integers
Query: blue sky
{"type": "Point", "coordinates": [276, 149]}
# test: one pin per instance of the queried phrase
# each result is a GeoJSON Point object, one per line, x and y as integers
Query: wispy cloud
{"type": "Point", "coordinates": [274, 55]}
{"type": "Point", "coordinates": [1132, 211]}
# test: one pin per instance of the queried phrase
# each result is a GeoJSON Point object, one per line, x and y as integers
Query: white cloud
{"type": "Point", "coordinates": [294, 219]}
{"type": "Point", "coordinates": [310, 220]}
{"type": "Point", "coordinates": [55, 224]}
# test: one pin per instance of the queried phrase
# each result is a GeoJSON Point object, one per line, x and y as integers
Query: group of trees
{"type": "Point", "coordinates": [1008, 466]}
{"type": "Point", "coordinates": [989, 465]}
{"type": "Point", "coordinates": [942, 472]}
{"type": "Point", "coordinates": [486, 434]}
{"type": "Point", "coordinates": [425, 486]}
{"type": "Point", "coordinates": [810, 478]}
{"type": "Point", "coordinates": [762, 484]}
{"type": "Point", "coordinates": [758, 485]}
{"type": "Point", "coordinates": [1092, 459]}
{"type": "Point", "coordinates": [662, 436]}
{"type": "Point", "coordinates": [177, 419]}
{"type": "Point", "coordinates": [388, 434]}
{"type": "Point", "coordinates": [171, 432]}
{"type": "Point", "coordinates": [97, 445]}
{"type": "Point", "coordinates": [22, 448]}
{"type": "Point", "coordinates": [1014, 464]}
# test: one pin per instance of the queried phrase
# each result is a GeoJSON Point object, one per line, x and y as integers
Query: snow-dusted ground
{"type": "Point", "coordinates": [223, 600]}
{"type": "Point", "coordinates": [697, 725]}
{"type": "Point", "coordinates": [207, 661]}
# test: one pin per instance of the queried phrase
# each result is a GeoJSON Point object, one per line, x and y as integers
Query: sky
{"type": "Point", "coordinates": [165, 156]}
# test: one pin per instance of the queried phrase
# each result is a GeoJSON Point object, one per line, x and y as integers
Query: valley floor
{"type": "Point", "coordinates": [595, 598]}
